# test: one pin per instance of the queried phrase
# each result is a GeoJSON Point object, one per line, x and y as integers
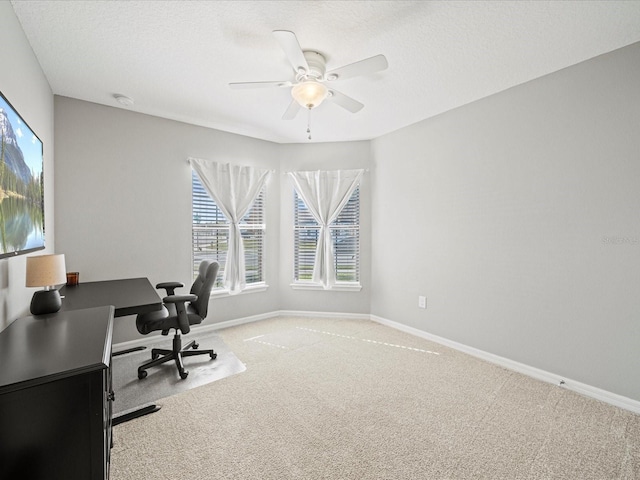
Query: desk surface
{"type": "Point", "coordinates": [43, 348]}
{"type": "Point", "coordinates": [129, 296]}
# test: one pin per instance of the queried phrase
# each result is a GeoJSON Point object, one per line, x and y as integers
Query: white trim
{"type": "Point", "coordinates": [236, 321]}
{"type": "Point", "coordinates": [548, 377]}
{"type": "Point", "coordinates": [542, 375]}
{"type": "Point", "coordinates": [302, 313]}
{"type": "Point", "coordinates": [336, 287]}
{"type": "Point", "coordinates": [252, 288]}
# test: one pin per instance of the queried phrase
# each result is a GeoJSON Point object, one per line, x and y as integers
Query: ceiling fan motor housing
{"type": "Point", "coordinates": [317, 66]}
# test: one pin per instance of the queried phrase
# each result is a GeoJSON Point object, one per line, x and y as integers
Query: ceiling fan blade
{"type": "Point", "coordinates": [292, 111]}
{"type": "Point", "coordinates": [292, 50]}
{"type": "Point", "coordinates": [363, 67]}
{"type": "Point", "coordinates": [344, 101]}
{"type": "Point", "coordinates": [243, 85]}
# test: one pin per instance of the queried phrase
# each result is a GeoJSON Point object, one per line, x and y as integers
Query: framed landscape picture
{"type": "Point", "coordinates": [21, 184]}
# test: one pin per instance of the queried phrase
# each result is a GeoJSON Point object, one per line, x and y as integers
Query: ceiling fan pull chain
{"type": "Point", "coordinates": [309, 124]}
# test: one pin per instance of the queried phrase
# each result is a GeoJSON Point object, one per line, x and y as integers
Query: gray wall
{"type": "Point", "coordinates": [325, 156]}
{"type": "Point", "coordinates": [517, 217]}
{"type": "Point", "coordinates": [124, 204]}
{"type": "Point", "coordinates": [25, 86]}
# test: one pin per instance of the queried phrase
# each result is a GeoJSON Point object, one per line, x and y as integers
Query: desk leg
{"type": "Point", "coordinates": [135, 414]}
{"type": "Point", "coordinates": [128, 350]}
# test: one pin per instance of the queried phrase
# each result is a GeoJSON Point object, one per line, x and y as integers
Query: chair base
{"type": "Point", "coordinates": [161, 355]}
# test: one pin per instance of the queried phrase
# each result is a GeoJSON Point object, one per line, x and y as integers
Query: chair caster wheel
{"type": "Point", "coordinates": [184, 375]}
{"type": "Point", "coordinates": [213, 356]}
{"type": "Point", "coordinates": [142, 374]}
{"type": "Point", "coordinates": [195, 345]}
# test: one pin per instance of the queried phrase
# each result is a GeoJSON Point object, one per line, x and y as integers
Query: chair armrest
{"type": "Point", "coordinates": [169, 287]}
{"type": "Point", "coordinates": [181, 309]}
{"type": "Point", "coordinates": [180, 298]}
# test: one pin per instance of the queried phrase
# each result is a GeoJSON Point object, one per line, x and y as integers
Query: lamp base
{"type": "Point", "coordinates": [45, 301]}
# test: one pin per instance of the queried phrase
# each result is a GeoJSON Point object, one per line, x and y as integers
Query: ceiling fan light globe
{"type": "Point", "coordinates": [309, 94]}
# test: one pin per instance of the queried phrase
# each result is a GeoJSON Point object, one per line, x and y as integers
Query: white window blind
{"type": "Point", "coordinates": [210, 234]}
{"type": "Point", "coordinates": [345, 235]}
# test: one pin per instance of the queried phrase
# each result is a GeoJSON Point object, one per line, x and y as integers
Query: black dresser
{"type": "Point", "coordinates": [56, 396]}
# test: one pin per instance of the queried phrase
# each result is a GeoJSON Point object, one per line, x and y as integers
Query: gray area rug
{"type": "Point", "coordinates": [351, 399]}
{"type": "Point", "coordinates": [163, 381]}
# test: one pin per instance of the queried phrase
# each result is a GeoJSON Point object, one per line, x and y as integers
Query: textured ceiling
{"type": "Point", "coordinates": [176, 58]}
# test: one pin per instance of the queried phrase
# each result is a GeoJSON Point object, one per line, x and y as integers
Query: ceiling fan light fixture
{"type": "Point", "coordinates": [309, 94]}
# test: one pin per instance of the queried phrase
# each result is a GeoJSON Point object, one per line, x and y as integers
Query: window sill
{"type": "Point", "coordinates": [254, 288]}
{"type": "Point", "coordinates": [338, 287]}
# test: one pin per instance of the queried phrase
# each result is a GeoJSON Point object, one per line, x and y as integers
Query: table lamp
{"type": "Point", "coordinates": [46, 271]}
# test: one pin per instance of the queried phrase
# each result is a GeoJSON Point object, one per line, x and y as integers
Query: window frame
{"type": "Point", "coordinates": [340, 285]}
{"type": "Point", "coordinates": [209, 203]}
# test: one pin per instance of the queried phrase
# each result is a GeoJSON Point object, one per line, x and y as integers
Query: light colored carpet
{"type": "Point", "coordinates": [163, 381]}
{"type": "Point", "coordinates": [352, 399]}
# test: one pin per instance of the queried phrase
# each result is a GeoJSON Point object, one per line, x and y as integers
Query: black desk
{"type": "Point", "coordinates": [129, 296]}
{"type": "Point", "coordinates": [55, 396]}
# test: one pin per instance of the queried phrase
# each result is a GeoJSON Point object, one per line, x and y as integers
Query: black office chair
{"type": "Point", "coordinates": [179, 312]}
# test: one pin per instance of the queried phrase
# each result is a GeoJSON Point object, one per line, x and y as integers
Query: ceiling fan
{"type": "Point", "coordinates": [309, 88]}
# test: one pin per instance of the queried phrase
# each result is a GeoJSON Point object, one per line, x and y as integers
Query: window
{"type": "Point", "coordinates": [345, 235]}
{"type": "Point", "coordinates": [210, 234]}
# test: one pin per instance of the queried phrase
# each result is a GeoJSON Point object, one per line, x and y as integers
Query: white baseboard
{"type": "Point", "coordinates": [542, 375]}
{"type": "Point", "coordinates": [301, 313]}
{"type": "Point", "coordinates": [237, 321]}
{"type": "Point", "coordinates": [573, 385]}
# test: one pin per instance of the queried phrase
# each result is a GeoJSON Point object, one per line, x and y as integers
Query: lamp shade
{"type": "Point", "coordinates": [309, 94]}
{"type": "Point", "coordinates": [46, 270]}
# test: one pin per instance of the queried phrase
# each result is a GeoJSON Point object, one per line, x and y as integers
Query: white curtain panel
{"type": "Point", "coordinates": [325, 193]}
{"type": "Point", "coordinates": [234, 188]}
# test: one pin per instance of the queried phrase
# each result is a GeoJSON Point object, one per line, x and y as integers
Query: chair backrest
{"type": "Point", "coordinates": [202, 286]}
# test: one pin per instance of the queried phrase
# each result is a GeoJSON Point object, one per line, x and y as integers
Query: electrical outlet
{"type": "Point", "coordinates": [422, 302]}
